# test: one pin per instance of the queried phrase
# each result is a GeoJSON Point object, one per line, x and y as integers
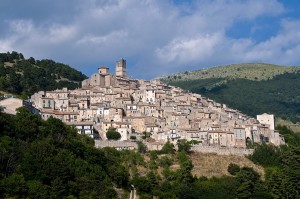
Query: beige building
{"type": "Point", "coordinates": [267, 119]}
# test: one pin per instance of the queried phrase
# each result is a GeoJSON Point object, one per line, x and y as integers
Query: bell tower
{"type": "Point", "coordinates": [121, 68]}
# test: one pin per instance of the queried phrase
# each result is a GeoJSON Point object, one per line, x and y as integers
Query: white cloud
{"type": "Point", "coordinates": [60, 33]}
{"type": "Point", "coordinates": [95, 40]}
{"type": "Point", "coordinates": [189, 49]}
{"type": "Point", "coordinates": [282, 48]}
{"type": "Point", "coordinates": [23, 27]}
{"type": "Point", "coordinates": [5, 46]}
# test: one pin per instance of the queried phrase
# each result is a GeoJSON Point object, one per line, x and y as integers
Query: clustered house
{"type": "Point", "coordinates": [138, 107]}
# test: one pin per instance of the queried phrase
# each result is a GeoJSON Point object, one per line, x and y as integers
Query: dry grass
{"type": "Point", "coordinates": [292, 126]}
{"type": "Point", "coordinates": [210, 165]}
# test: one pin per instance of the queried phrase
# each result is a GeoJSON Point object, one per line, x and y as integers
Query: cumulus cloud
{"type": "Point", "coordinates": [189, 49]}
{"type": "Point", "coordinates": [157, 37]}
{"type": "Point", "coordinates": [282, 48]}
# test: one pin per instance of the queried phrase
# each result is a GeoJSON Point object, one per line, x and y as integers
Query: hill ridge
{"type": "Point", "coordinates": [25, 76]}
{"type": "Point", "coordinates": [252, 71]}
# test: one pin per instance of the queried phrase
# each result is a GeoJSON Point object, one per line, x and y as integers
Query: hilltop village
{"type": "Point", "coordinates": [138, 107]}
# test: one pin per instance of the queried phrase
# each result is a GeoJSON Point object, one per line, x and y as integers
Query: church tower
{"type": "Point", "coordinates": [121, 68]}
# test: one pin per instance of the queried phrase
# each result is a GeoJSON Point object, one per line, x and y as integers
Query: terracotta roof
{"type": "Point", "coordinates": [103, 67]}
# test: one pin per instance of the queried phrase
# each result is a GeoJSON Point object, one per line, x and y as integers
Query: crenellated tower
{"type": "Point", "coordinates": [121, 68]}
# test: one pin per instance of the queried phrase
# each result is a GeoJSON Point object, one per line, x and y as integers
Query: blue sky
{"type": "Point", "coordinates": [155, 37]}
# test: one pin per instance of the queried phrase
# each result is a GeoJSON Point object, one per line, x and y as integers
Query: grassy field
{"type": "Point", "coordinates": [210, 165]}
{"type": "Point", "coordinates": [207, 164]}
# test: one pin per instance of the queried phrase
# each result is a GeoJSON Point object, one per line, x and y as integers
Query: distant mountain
{"type": "Point", "coordinates": [25, 76]}
{"type": "Point", "coordinates": [252, 88]}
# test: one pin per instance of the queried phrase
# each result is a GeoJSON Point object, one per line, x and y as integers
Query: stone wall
{"type": "Point", "coordinates": [120, 145]}
{"type": "Point", "coordinates": [222, 150]}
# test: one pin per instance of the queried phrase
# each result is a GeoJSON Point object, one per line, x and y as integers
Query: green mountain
{"type": "Point", "coordinates": [251, 88]}
{"type": "Point", "coordinates": [25, 76]}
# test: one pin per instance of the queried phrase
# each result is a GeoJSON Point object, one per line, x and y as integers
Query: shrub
{"type": "Point", "coordinates": [112, 134]}
{"type": "Point", "coordinates": [133, 137]}
{"type": "Point", "coordinates": [165, 161]}
{"type": "Point", "coordinates": [233, 169]}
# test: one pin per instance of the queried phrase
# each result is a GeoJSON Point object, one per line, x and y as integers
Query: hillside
{"type": "Point", "coordinates": [25, 76]}
{"type": "Point", "coordinates": [251, 71]}
{"type": "Point", "coordinates": [266, 88]}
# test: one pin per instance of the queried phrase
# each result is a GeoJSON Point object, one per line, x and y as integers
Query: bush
{"type": "Point", "coordinates": [195, 142]}
{"type": "Point", "coordinates": [165, 161]}
{"type": "Point", "coordinates": [233, 169]}
{"type": "Point", "coordinates": [133, 137]}
{"type": "Point", "coordinates": [112, 134]}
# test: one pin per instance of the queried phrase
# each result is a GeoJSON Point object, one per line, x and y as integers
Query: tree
{"type": "Point", "coordinates": [184, 146]}
{"type": "Point", "coordinates": [168, 148]}
{"type": "Point", "coordinates": [248, 180]}
{"type": "Point", "coordinates": [141, 147]}
{"type": "Point", "coordinates": [26, 124]}
{"type": "Point", "coordinates": [31, 60]}
{"type": "Point", "coordinates": [186, 166]}
{"type": "Point", "coordinates": [266, 155]}
{"type": "Point", "coordinates": [112, 134]}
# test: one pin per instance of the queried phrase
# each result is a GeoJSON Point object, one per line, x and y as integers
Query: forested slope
{"type": "Point", "coordinates": [25, 76]}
